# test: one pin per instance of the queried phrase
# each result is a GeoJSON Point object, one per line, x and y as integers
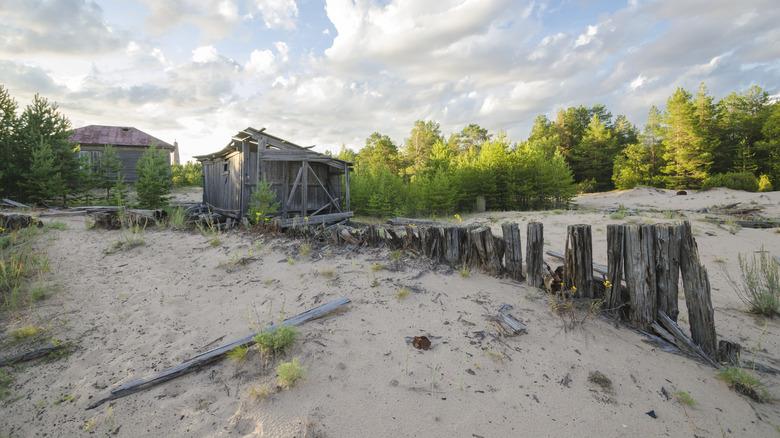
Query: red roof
{"type": "Point", "coordinates": [98, 135]}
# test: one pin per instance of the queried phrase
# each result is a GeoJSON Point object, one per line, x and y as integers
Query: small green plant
{"type": "Point", "coordinates": [684, 397]}
{"type": "Point", "coordinates": [290, 260]}
{"type": "Point", "coordinates": [57, 225]}
{"type": "Point", "coordinates": [290, 373]}
{"type": "Point", "coordinates": [464, 272]}
{"type": "Point", "coordinates": [177, 217]}
{"type": "Point", "coordinates": [278, 340]}
{"type": "Point", "coordinates": [402, 293]}
{"type": "Point", "coordinates": [261, 203]}
{"type": "Point", "coordinates": [557, 211]}
{"type": "Point", "coordinates": [617, 216]}
{"type": "Point", "coordinates": [89, 424]}
{"type": "Point", "coordinates": [28, 331]}
{"type": "Point", "coordinates": [238, 354]}
{"type": "Point", "coordinates": [495, 355]}
{"type": "Point", "coordinates": [40, 292]}
{"type": "Point", "coordinates": [304, 249]}
{"type": "Point", "coordinates": [395, 255]}
{"type": "Point", "coordinates": [761, 288]}
{"type": "Point", "coordinates": [5, 382]}
{"type": "Point", "coordinates": [376, 267]}
{"type": "Point", "coordinates": [744, 382]}
{"type": "Point", "coordinates": [210, 229]}
{"type": "Point", "coordinates": [267, 282]}
{"type": "Point", "coordinates": [63, 399]}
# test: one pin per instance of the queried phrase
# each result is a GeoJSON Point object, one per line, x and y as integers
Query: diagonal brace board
{"type": "Point", "coordinates": [214, 354]}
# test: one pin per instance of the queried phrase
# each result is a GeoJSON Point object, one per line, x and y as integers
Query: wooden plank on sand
{"type": "Point", "coordinates": [214, 354]}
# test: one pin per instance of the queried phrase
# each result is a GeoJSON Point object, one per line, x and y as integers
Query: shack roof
{"type": "Point", "coordinates": [100, 135]}
{"type": "Point", "coordinates": [275, 149]}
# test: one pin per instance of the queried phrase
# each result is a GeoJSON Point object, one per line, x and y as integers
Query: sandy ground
{"type": "Point", "coordinates": [140, 310]}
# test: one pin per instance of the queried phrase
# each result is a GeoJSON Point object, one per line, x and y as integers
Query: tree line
{"type": "Point", "coordinates": [694, 142]}
{"type": "Point", "coordinates": [39, 164]}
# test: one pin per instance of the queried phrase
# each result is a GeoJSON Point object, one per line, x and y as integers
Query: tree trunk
{"type": "Point", "coordinates": [578, 265]}
{"type": "Point", "coordinates": [534, 254]}
{"type": "Point", "coordinates": [667, 269]}
{"type": "Point", "coordinates": [514, 251]}
{"type": "Point", "coordinates": [487, 250]}
{"type": "Point", "coordinates": [639, 263]}
{"type": "Point", "coordinates": [453, 237]}
{"type": "Point", "coordinates": [696, 284]}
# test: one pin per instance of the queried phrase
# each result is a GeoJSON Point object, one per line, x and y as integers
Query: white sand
{"type": "Point", "coordinates": [140, 310]}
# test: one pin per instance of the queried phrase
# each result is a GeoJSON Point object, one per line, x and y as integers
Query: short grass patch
{"type": "Point", "coordinates": [278, 340]}
{"type": "Point", "coordinates": [744, 382]}
{"type": "Point", "coordinates": [402, 293]}
{"type": "Point", "coordinates": [684, 397]}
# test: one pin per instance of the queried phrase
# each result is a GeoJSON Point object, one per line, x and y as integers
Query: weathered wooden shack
{"type": "Point", "coordinates": [128, 142]}
{"type": "Point", "coordinates": [308, 184]}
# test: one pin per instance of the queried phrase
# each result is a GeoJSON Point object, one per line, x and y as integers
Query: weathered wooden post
{"type": "Point", "coordinates": [452, 246]}
{"type": "Point", "coordinates": [639, 263]}
{"type": "Point", "coordinates": [513, 257]}
{"type": "Point", "coordinates": [411, 239]}
{"type": "Point", "coordinates": [696, 284]}
{"type": "Point", "coordinates": [667, 267]}
{"type": "Point", "coordinates": [613, 298]}
{"type": "Point", "coordinates": [487, 249]}
{"type": "Point", "coordinates": [578, 262]}
{"type": "Point", "coordinates": [534, 254]}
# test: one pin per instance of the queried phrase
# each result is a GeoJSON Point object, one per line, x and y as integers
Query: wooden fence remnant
{"type": "Point", "coordinates": [667, 267]}
{"type": "Point", "coordinates": [513, 255]}
{"type": "Point", "coordinates": [534, 254]}
{"type": "Point", "coordinates": [615, 300]}
{"type": "Point", "coordinates": [696, 285]}
{"type": "Point", "coordinates": [639, 263]}
{"type": "Point", "coordinates": [488, 250]}
{"type": "Point", "coordinates": [578, 264]}
{"type": "Point", "coordinates": [453, 243]}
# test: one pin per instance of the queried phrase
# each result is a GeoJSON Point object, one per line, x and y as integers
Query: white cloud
{"type": "Point", "coordinates": [638, 82]}
{"type": "Point", "coordinates": [278, 14]}
{"type": "Point", "coordinates": [283, 50]}
{"type": "Point", "coordinates": [261, 61]}
{"type": "Point", "coordinates": [205, 54]}
{"type": "Point", "coordinates": [587, 37]}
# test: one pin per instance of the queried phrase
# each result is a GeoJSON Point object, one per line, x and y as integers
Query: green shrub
{"type": "Point", "coordinates": [277, 340]}
{"type": "Point", "coordinates": [764, 185]}
{"type": "Point", "coordinates": [290, 373]}
{"type": "Point", "coordinates": [761, 289]}
{"type": "Point", "coordinates": [154, 178]}
{"type": "Point", "coordinates": [733, 180]}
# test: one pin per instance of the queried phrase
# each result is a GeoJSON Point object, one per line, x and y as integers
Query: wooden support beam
{"type": "Point", "coordinates": [639, 263]}
{"type": "Point", "coordinates": [305, 189]}
{"type": "Point", "coordinates": [346, 186]}
{"type": "Point", "coordinates": [667, 267]}
{"type": "Point", "coordinates": [214, 354]}
{"type": "Point", "coordinates": [335, 204]}
{"type": "Point", "coordinates": [514, 251]}
{"type": "Point", "coordinates": [292, 191]}
{"type": "Point", "coordinates": [696, 285]}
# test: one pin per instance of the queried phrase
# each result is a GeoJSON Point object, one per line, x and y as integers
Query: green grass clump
{"type": "Point", "coordinates": [464, 272]}
{"type": "Point", "coordinates": [57, 225]}
{"type": "Point", "coordinates": [761, 289]}
{"type": "Point", "coordinates": [305, 249]}
{"type": "Point", "coordinates": [5, 382]}
{"type": "Point", "coordinates": [377, 267]}
{"type": "Point", "coordinates": [277, 340]}
{"type": "Point", "coordinates": [290, 373]}
{"type": "Point", "coordinates": [177, 217]}
{"type": "Point", "coordinates": [238, 354]}
{"type": "Point", "coordinates": [617, 216]}
{"type": "Point", "coordinates": [744, 382]}
{"type": "Point", "coordinates": [396, 255]}
{"type": "Point", "coordinates": [684, 397]}
{"type": "Point", "coordinates": [402, 293]}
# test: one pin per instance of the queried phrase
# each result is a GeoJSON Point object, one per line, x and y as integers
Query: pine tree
{"type": "Point", "coordinates": [10, 163]}
{"type": "Point", "coordinates": [44, 180]}
{"type": "Point", "coordinates": [687, 157]}
{"type": "Point", "coordinates": [106, 169]}
{"type": "Point", "coordinates": [154, 178]}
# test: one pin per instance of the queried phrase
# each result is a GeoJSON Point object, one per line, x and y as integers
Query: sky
{"type": "Point", "coordinates": [330, 73]}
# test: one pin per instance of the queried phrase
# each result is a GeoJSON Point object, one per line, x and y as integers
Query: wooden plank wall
{"type": "Point", "coordinates": [221, 188]}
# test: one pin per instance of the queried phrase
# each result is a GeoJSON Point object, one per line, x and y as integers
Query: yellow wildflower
{"type": "Point", "coordinates": [607, 284]}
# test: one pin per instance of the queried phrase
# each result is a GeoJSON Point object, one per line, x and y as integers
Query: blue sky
{"type": "Point", "coordinates": [329, 73]}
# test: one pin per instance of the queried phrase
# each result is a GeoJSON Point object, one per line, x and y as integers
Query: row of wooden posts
{"type": "Point", "coordinates": [642, 276]}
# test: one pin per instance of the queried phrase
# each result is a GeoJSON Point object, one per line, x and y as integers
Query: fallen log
{"type": "Point", "coordinates": [403, 221]}
{"type": "Point", "coordinates": [747, 224]}
{"type": "Point", "coordinates": [15, 204]}
{"type": "Point", "coordinates": [33, 354]}
{"type": "Point", "coordinates": [213, 355]}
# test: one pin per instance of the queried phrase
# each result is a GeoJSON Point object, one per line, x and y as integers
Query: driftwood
{"type": "Point", "coordinates": [513, 255]}
{"type": "Point", "coordinates": [672, 333]}
{"type": "Point", "coordinates": [15, 204]}
{"type": "Point", "coordinates": [507, 324]}
{"type": "Point", "coordinates": [534, 254]}
{"type": "Point", "coordinates": [213, 355]}
{"type": "Point", "coordinates": [30, 355]}
{"type": "Point", "coordinates": [696, 284]}
{"type": "Point", "coordinates": [748, 224]}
